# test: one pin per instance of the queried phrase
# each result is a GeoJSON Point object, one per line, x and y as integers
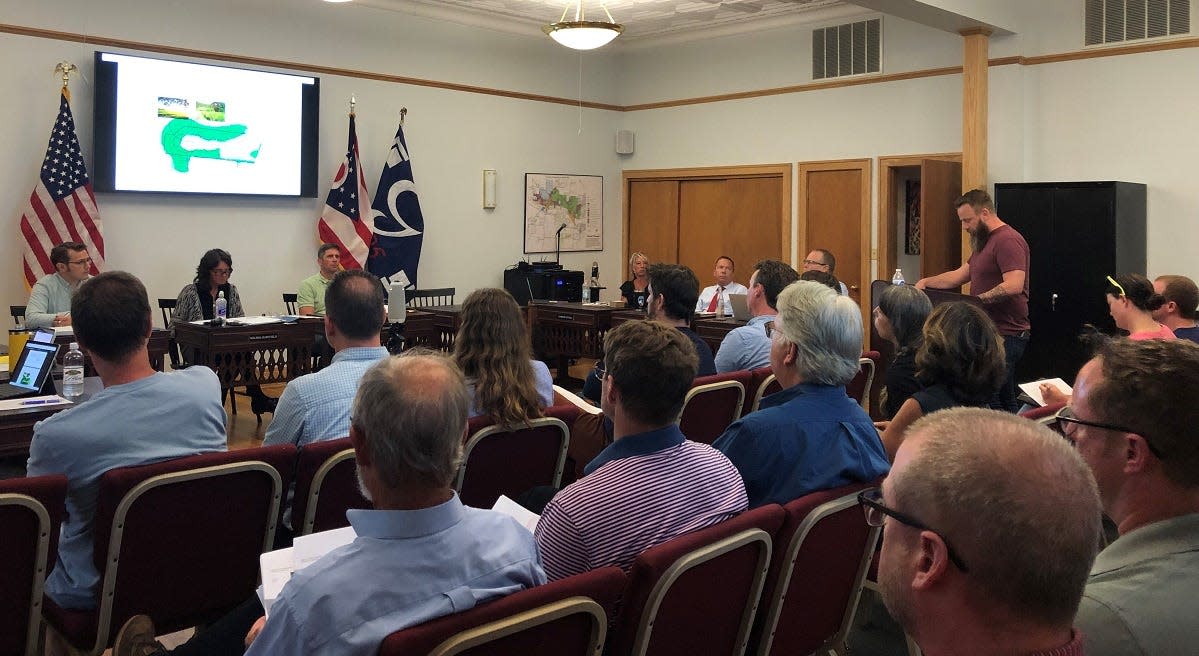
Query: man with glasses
{"type": "Point", "coordinates": [747, 347]}
{"type": "Point", "coordinates": [990, 524]}
{"type": "Point", "coordinates": [822, 261]}
{"type": "Point", "coordinates": [50, 298]}
{"type": "Point", "coordinates": [810, 436]}
{"type": "Point", "coordinates": [1135, 420]}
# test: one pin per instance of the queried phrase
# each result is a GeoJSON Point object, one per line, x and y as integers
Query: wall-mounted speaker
{"type": "Point", "coordinates": [624, 142]}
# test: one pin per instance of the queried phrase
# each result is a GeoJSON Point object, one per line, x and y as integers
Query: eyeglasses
{"type": "Point", "coordinates": [223, 272]}
{"type": "Point", "coordinates": [600, 372]}
{"type": "Point", "coordinates": [815, 263]}
{"type": "Point", "coordinates": [1116, 285]}
{"type": "Point", "coordinates": [85, 261]}
{"type": "Point", "coordinates": [872, 504]}
{"type": "Point", "coordinates": [1066, 417]}
{"type": "Point", "coordinates": [770, 331]}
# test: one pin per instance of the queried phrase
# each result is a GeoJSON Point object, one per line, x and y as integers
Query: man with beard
{"type": "Point", "coordinates": [990, 525]}
{"type": "Point", "coordinates": [998, 275]}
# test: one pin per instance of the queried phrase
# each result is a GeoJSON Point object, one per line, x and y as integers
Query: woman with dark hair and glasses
{"type": "Point", "coordinates": [196, 302]}
{"type": "Point", "coordinates": [960, 362]}
{"type": "Point", "coordinates": [899, 319]}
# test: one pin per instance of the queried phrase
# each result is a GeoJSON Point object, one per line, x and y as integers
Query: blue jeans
{"type": "Point", "coordinates": [1013, 350]}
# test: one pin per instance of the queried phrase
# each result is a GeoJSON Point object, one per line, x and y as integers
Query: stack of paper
{"type": "Point", "coordinates": [1033, 389]}
{"type": "Point", "coordinates": [278, 566]}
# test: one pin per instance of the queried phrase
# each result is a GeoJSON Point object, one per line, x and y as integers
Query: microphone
{"type": "Point", "coordinates": [561, 227]}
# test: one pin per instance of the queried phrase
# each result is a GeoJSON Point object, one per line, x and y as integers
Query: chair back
{"type": "Point", "coordinates": [289, 303]}
{"type": "Point", "coordinates": [568, 617]}
{"type": "Point", "coordinates": [858, 389]}
{"type": "Point", "coordinates": [822, 553]}
{"type": "Point", "coordinates": [18, 315]}
{"type": "Point", "coordinates": [179, 540]}
{"type": "Point", "coordinates": [769, 385]}
{"type": "Point", "coordinates": [431, 297]}
{"type": "Point", "coordinates": [753, 388]}
{"type": "Point", "coordinates": [1045, 415]}
{"type": "Point", "coordinates": [326, 487]}
{"type": "Point", "coordinates": [167, 307]}
{"type": "Point", "coordinates": [712, 403]}
{"type": "Point", "coordinates": [31, 511]}
{"type": "Point", "coordinates": [510, 460]}
{"type": "Point", "coordinates": [698, 593]}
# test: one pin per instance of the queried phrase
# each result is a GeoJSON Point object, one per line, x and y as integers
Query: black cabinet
{"type": "Point", "coordinates": [1078, 233]}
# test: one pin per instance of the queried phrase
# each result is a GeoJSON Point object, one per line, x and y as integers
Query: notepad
{"type": "Point", "coordinates": [278, 566]}
{"type": "Point", "coordinates": [1033, 389]}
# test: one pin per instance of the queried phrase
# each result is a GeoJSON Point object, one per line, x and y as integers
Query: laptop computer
{"type": "Point", "coordinates": [31, 371]}
{"type": "Point", "coordinates": [740, 307]}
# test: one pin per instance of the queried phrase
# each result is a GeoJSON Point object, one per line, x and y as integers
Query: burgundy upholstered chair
{"type": "Point", "coordinates": [753, 391]}
{"type": "Point", "coordinates": [568, 617]}
{"type": "Point", "coordinates": [712, 403]}
{"type": "Point", "coordinates": [326, 487]}
{"type": "Point", "coordinates": [179, 541]}
{"type": "Point", "coordinates": [858, 389]}
{"type": "Point", "coordinates": [821, 555]}
{"type": "Point", "coordinates": [698, 593]}
{"type": "Point", "coordinates": [511, 460]}
{"type": "Point", "coordinates": [31, 512]}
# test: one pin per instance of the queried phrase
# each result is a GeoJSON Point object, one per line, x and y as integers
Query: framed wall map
{"type": "Point", "coordinates": [553, 200]}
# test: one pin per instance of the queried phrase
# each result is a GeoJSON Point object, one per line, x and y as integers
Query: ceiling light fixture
{"type": "Point", "coordinates": [580, 33]}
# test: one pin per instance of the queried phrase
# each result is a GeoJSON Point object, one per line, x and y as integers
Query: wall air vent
{"type": "Point", "coordinates": [850, 49]}
{"type": "Point", "coordinates": [1116, 21]}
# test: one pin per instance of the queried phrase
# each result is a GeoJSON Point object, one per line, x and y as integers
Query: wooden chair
{"type": "Point", "coordinates": [289, 303]}
{"type": "Point", "coordinates": [568, 617]}
{"type": "Point", "coordinates": [31, 511]}
{"type": "Point", "coordinates": [820, 559]}
{"type": "Point", "coordinates": [179, 541]}
{"type": "Point", "coordinates": [167, 307]}
{"type": "Point", "coordinates": [431, 297]}
{"type": "Point", "coordinates": [698, 593]}
{"type": "Point", "coordinates": [326, 487]}
{"type": "Point", "coordinates": [712, 403]}
{"type": "Point", "coordinates": [510, 460]}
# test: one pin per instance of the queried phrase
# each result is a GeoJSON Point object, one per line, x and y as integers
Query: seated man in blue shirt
{"type": "Point", "coordinates": [50, 298]}
{"type": "Point", "coordinates": [810, 436]}
{"type": "Point", "coordinates": [748, 347]}
{"type": "Point", "coordinates": [141, 416]}
{"type": "Point", "coordinates": [419, 555]}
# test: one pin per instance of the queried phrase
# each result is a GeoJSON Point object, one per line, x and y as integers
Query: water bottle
{"type": "Point", "coordinates": [897, 279]}
{"type": "Point", "coordinates": [220, 309]}
{"type": "Point", "coordinates": [72, 372]}
{"type": "Point", "coordinates": [719, 303]}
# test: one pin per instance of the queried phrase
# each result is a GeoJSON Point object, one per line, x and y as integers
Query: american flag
{"type": "Point", "coordinates": [62, 206]}
{"type": "Point", "coordinates": [346, 206]}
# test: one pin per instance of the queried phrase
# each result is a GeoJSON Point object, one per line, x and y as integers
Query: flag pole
{"type": "Point", "coordinates": [65, 68]}
{"type": "Point", "coordinates": [403, 113]}
{"type": "Point", "coordinates": [353, 102]}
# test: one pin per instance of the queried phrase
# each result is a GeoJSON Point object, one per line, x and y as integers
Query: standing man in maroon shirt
{"type": "Point", "coordinates": [998, 275]}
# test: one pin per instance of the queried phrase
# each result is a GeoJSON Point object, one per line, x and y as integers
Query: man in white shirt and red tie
{"type": "Point", "coordinates": [725, 285]}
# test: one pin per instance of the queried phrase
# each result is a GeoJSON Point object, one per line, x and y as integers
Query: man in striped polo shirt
{"type": "Point", "coordinates": [651, 484]}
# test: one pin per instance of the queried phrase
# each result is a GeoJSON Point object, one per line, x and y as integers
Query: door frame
{"type": "Point", "coordinates": [864, 166]}
{"type": "Point", "coordinates": [708, 173]}
{"type": "Point", "coordinates": [887, 207]}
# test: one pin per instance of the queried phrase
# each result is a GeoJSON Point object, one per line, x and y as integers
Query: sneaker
{"type": "Point", "coordinates": [136, 638]}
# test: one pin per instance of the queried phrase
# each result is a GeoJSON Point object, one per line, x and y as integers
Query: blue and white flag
{"type": "Point", "coordinates": [398, 225]}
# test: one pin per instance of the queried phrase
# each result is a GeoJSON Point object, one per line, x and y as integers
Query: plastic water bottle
{"type": "Point", "coordinates": [897, 279]}
{"type": "Point", "coordinates": [719, 303]}
{"type": "Point", "coordinates": [72, 372]}
{"type": "Point", "coordinates": [220, 309]}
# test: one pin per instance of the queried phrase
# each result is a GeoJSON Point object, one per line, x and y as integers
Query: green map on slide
{"type": "Point", "coordinates": [176, 129]}
{"type": "Point", "coordinates": [572, 204]}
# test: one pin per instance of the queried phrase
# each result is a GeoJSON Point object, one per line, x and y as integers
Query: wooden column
{"type": "Point", "coordinates": [975, 73]}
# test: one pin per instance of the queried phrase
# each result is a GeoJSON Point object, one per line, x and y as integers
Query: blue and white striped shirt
{"type": "Point", "coordinates": [316, 406]}
{"type": "Point", "coordinates": [639, 492]}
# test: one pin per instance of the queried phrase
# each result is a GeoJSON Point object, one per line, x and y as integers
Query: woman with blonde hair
{"type": "Point", "coordinates": [634, 289]}
{"type": "Point", "coordinates": [492, 349]}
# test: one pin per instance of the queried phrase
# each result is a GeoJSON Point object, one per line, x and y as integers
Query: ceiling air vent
{"type": "Point", "coordinates": [850, 49]}
{"type": "Point", "coordinates": [1116, 21]}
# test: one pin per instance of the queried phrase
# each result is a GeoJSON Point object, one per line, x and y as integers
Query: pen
{"type": "Point", "coordinates": [39, 401]}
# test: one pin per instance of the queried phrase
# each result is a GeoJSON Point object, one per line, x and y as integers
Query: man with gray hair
{"type": "Point", "coordinates": [1134, 418]}
{"type": "Point", "coordinates": [418, 555]}
{"type": "Point", "coordinates": [810, 436]}
{"type": "Point", "coordinates": [990, 523]}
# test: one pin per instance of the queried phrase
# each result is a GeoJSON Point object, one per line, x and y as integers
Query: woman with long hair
{"type": "Point", "coordinates": [899, 319]}
{"type": "Point", "coordinates": [959, 362]}
{"type": "Point", "coordinates": [492, 349]}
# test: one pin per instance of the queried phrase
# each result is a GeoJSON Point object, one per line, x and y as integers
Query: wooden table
{"type": "Point", "coordinates": [713, 329]}
{"type": "Point", "coordinates": [158, 346]}
{"type": "Point", "coordinates": [16, 426]}
{"type": "Point", "coordinates": [568, 330]}
{"type": "Point", "coordinates": [445, 321]}
{"type": "Point", "coordinates": [247, 355]}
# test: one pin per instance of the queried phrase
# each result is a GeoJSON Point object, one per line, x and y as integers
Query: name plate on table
{"type": "Point", "coordinates": [566, 317]}
{"type": "Point", "coordinates": [260, 338]}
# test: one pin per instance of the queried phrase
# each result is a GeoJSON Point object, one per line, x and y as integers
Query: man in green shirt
{"type": "Point", "coordinates": [50, 298]}
{"type": "Point", "coordinates": [311, 296]}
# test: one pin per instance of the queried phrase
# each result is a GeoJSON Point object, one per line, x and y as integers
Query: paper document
{"type": "Point", "coordinates": [278, 566]}
{"type": "Point", "coordinates": [34, 402]}
{"type": "Point", "coordinates": [577, 400]}
{"type": "Point", "coordinates": [526, 517]}
{"type": "Point", "coordinates": [252, 321]}
{"type": "Point", "coordinates": [63, 330]}
{"type": "Point", "coordinates": [1033, 389]}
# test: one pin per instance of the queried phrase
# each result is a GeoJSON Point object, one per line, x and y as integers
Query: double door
{"type": "Point", "coordinates": [1078, 233]}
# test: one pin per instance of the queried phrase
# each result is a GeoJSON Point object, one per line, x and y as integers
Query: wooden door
{"type": "Point", "coordinates": [653, 209]}
{"type": "Point", "coordinates": [737, 217]}
{"type": "Point", "coordinates": [834, 214]}
{"type": "Point", "coordinates": [940, 229]}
